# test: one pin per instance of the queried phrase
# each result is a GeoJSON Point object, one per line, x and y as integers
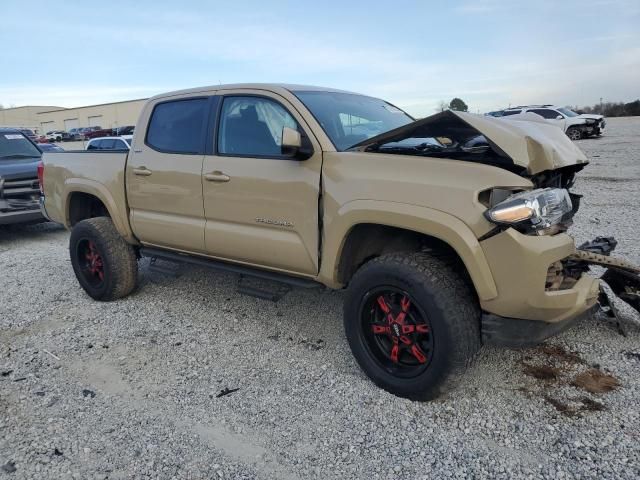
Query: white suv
{"type": "Point", "coordinates": [110, 143]}
{"type": "Point", "coordinates": [576, 126]}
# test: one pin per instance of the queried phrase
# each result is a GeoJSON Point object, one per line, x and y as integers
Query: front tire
{"type": "Point", "coordinates": [413, 324]}
{"type": "Point", "coordinates": [104, 264]}
{"type": "Point", "coordinates": [574, 133]}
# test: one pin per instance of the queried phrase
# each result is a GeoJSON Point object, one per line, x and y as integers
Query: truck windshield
{"type": "Point", "coordinates": [349, 118]}
{"type": "Point", "coordinates": [567, 112]}
{"type": "Point", "coordinates": [16, 145]}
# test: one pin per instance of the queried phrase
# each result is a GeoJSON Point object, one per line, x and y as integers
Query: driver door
{"type": "Point", "coordinates": [261, 206]}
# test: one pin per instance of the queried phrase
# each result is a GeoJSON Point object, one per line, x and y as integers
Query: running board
{"type": "Point", "coordinates": [219, 265]}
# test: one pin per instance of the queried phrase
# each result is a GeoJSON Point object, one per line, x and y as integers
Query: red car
{"type": "Point", "coordinates": [96, 132]}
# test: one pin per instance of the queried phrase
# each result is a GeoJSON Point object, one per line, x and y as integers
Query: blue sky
{"type": "Point", "coordinates": [414, 54]}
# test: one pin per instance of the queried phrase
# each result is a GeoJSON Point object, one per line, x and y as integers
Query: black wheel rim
{"type": "Point", "coordinates": [396, 331]}
{"type": "Point", "coordinates": [90, 262]}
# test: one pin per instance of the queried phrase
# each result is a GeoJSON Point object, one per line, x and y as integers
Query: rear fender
{"type": "Point", "coordinates": [117, 211]}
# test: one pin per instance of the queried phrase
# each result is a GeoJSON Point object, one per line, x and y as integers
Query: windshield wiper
{"type": "Point", "coordinates": [19, 155]}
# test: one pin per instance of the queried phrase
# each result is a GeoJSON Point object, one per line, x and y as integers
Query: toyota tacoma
{"type": "Point", "coordinates": [447, 232]}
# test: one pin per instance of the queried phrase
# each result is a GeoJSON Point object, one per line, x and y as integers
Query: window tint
{"type": "Point", "coordinates": [545, 113]}
{"type": "Point", "coordinates": [506, 113]}
{"type": "Point", "coordinates": [177, 126]}
{"type": "Point", "coordinates": [252, 126]}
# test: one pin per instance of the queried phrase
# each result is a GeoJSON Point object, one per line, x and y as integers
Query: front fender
{"type": "Point", "coordinates": [419, 219]}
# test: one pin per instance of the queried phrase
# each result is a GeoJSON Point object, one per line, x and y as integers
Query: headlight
{"type": "Point", "coordinates": [535, 209]}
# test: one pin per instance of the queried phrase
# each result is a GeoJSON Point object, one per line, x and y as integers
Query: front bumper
{"type": "Point", "coordinates": [519, 265]}
{"type": "Point", "coordinates": [21, 216]}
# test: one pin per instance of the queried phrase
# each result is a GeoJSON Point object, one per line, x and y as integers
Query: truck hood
{"type": "Point", "coordinates": [532, 145]}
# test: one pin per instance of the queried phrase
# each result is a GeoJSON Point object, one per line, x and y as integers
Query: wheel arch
{"type": "Point", "coordinates": [365, 229]}
{"type": "Point", "coordinates": [89, 199]}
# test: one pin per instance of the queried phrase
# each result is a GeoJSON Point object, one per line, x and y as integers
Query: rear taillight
{"type": "Point", "coordinates": [41, 176]}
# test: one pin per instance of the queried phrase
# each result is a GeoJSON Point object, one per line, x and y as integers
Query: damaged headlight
{"type": "Point", "coordinates": [535, 210]}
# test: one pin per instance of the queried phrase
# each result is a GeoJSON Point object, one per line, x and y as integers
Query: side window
{"type": "Point", "coordinates": [252, 126]}
{"type": "Point", "coordinates": [177, 126]}
{"type": "Point", "coordinates": [94, 145]}
{"type": "Point", "coordinates": [545, 113]}
{"type": "Point", "coordinates": [506, 113]}
{"type": "Point", "coordinates": [122, 144]}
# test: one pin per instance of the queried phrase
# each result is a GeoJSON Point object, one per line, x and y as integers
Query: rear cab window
{"type": "Point", "coordinates": [178, 126]}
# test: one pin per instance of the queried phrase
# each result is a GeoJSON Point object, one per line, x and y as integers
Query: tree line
{"type": "Point", "coordinates": [613, 109]}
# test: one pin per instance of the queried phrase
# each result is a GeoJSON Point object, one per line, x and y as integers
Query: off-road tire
{"type": "Point", "coordinates": [450, 305]}
{"type": "Point", "coordinates": [120, 265]}
{"type": "Point", "coordinates": [574, 133]}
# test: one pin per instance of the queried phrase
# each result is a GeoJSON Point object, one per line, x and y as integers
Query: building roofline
{"type": "Point", "coordinates": [60, 109]}
{"type": "Point", "coordinates": [32, 106]}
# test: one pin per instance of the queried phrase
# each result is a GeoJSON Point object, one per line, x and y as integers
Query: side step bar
{"type": "Point", "coordinates": [242, 270]}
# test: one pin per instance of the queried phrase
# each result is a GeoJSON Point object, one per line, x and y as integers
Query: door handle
{"type": "Point", "coordinates": [142, 171]}
{"type": "Point", "coordinates": [217, 176]}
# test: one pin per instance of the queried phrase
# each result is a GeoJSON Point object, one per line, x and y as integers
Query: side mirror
{"type": "Point", "coordinates": [559, 117]}
{"type": "Point", "coordinates": [295, 145]}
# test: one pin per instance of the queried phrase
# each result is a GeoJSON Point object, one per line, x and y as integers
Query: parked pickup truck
{"type": "Point", "coordinates": [19, 189]}
{"type": "Point", "coordinates": [447, 232]}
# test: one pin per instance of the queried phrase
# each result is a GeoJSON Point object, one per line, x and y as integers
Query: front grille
{"type": "Point", "coordinates": [25, 188]}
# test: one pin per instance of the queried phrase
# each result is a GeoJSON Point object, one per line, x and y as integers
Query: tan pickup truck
{"type": "Point", "coordinates": [447, 232]}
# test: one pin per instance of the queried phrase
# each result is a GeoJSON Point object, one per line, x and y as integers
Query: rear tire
{"type": "Point", "coordinates": [440, 304]}
{"type": "Point", "coordinates": [105, 265]}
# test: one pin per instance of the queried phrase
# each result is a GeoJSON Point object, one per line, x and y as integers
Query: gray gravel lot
{"type": "Point", "coordinates": [129, 389]}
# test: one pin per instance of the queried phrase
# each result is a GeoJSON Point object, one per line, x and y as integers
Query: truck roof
{"type": "Point", "coordinates": [273, 87]}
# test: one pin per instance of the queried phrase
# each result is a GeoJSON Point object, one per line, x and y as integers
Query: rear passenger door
{"type": "Point", "coordinates": [164, 174]}
{"type": "Point", "coordinates": [261, 207]}
{"type": "Point", "coordinates": [551, 116]}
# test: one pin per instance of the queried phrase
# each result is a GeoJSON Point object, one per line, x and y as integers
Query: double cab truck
{"type": "Point", "coordinates": [446, 232]}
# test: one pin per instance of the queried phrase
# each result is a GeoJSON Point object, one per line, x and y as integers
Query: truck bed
{"type": "Point", "coordinates": [97, 173]}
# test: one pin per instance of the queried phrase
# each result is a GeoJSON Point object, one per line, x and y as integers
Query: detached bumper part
{"type": "Point", "coordinates": [622, 276]}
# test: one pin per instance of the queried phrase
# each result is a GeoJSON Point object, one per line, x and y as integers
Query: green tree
{"type": "Point", "coordinates": [458, 105]}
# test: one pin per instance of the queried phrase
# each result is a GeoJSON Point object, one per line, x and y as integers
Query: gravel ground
{"type": "Point", "coordinates": [131, 389]}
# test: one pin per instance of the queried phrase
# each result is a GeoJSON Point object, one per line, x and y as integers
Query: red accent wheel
{"type": "Point", "coordinates": [90, 262]}
{"type": "Point", "coordinates": [396, 331]}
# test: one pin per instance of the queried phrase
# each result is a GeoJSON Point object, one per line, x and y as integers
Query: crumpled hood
{"type": "Point", "coordinates": [534, 145]}
{"type": "Point", "coordinates": [592, 116]}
